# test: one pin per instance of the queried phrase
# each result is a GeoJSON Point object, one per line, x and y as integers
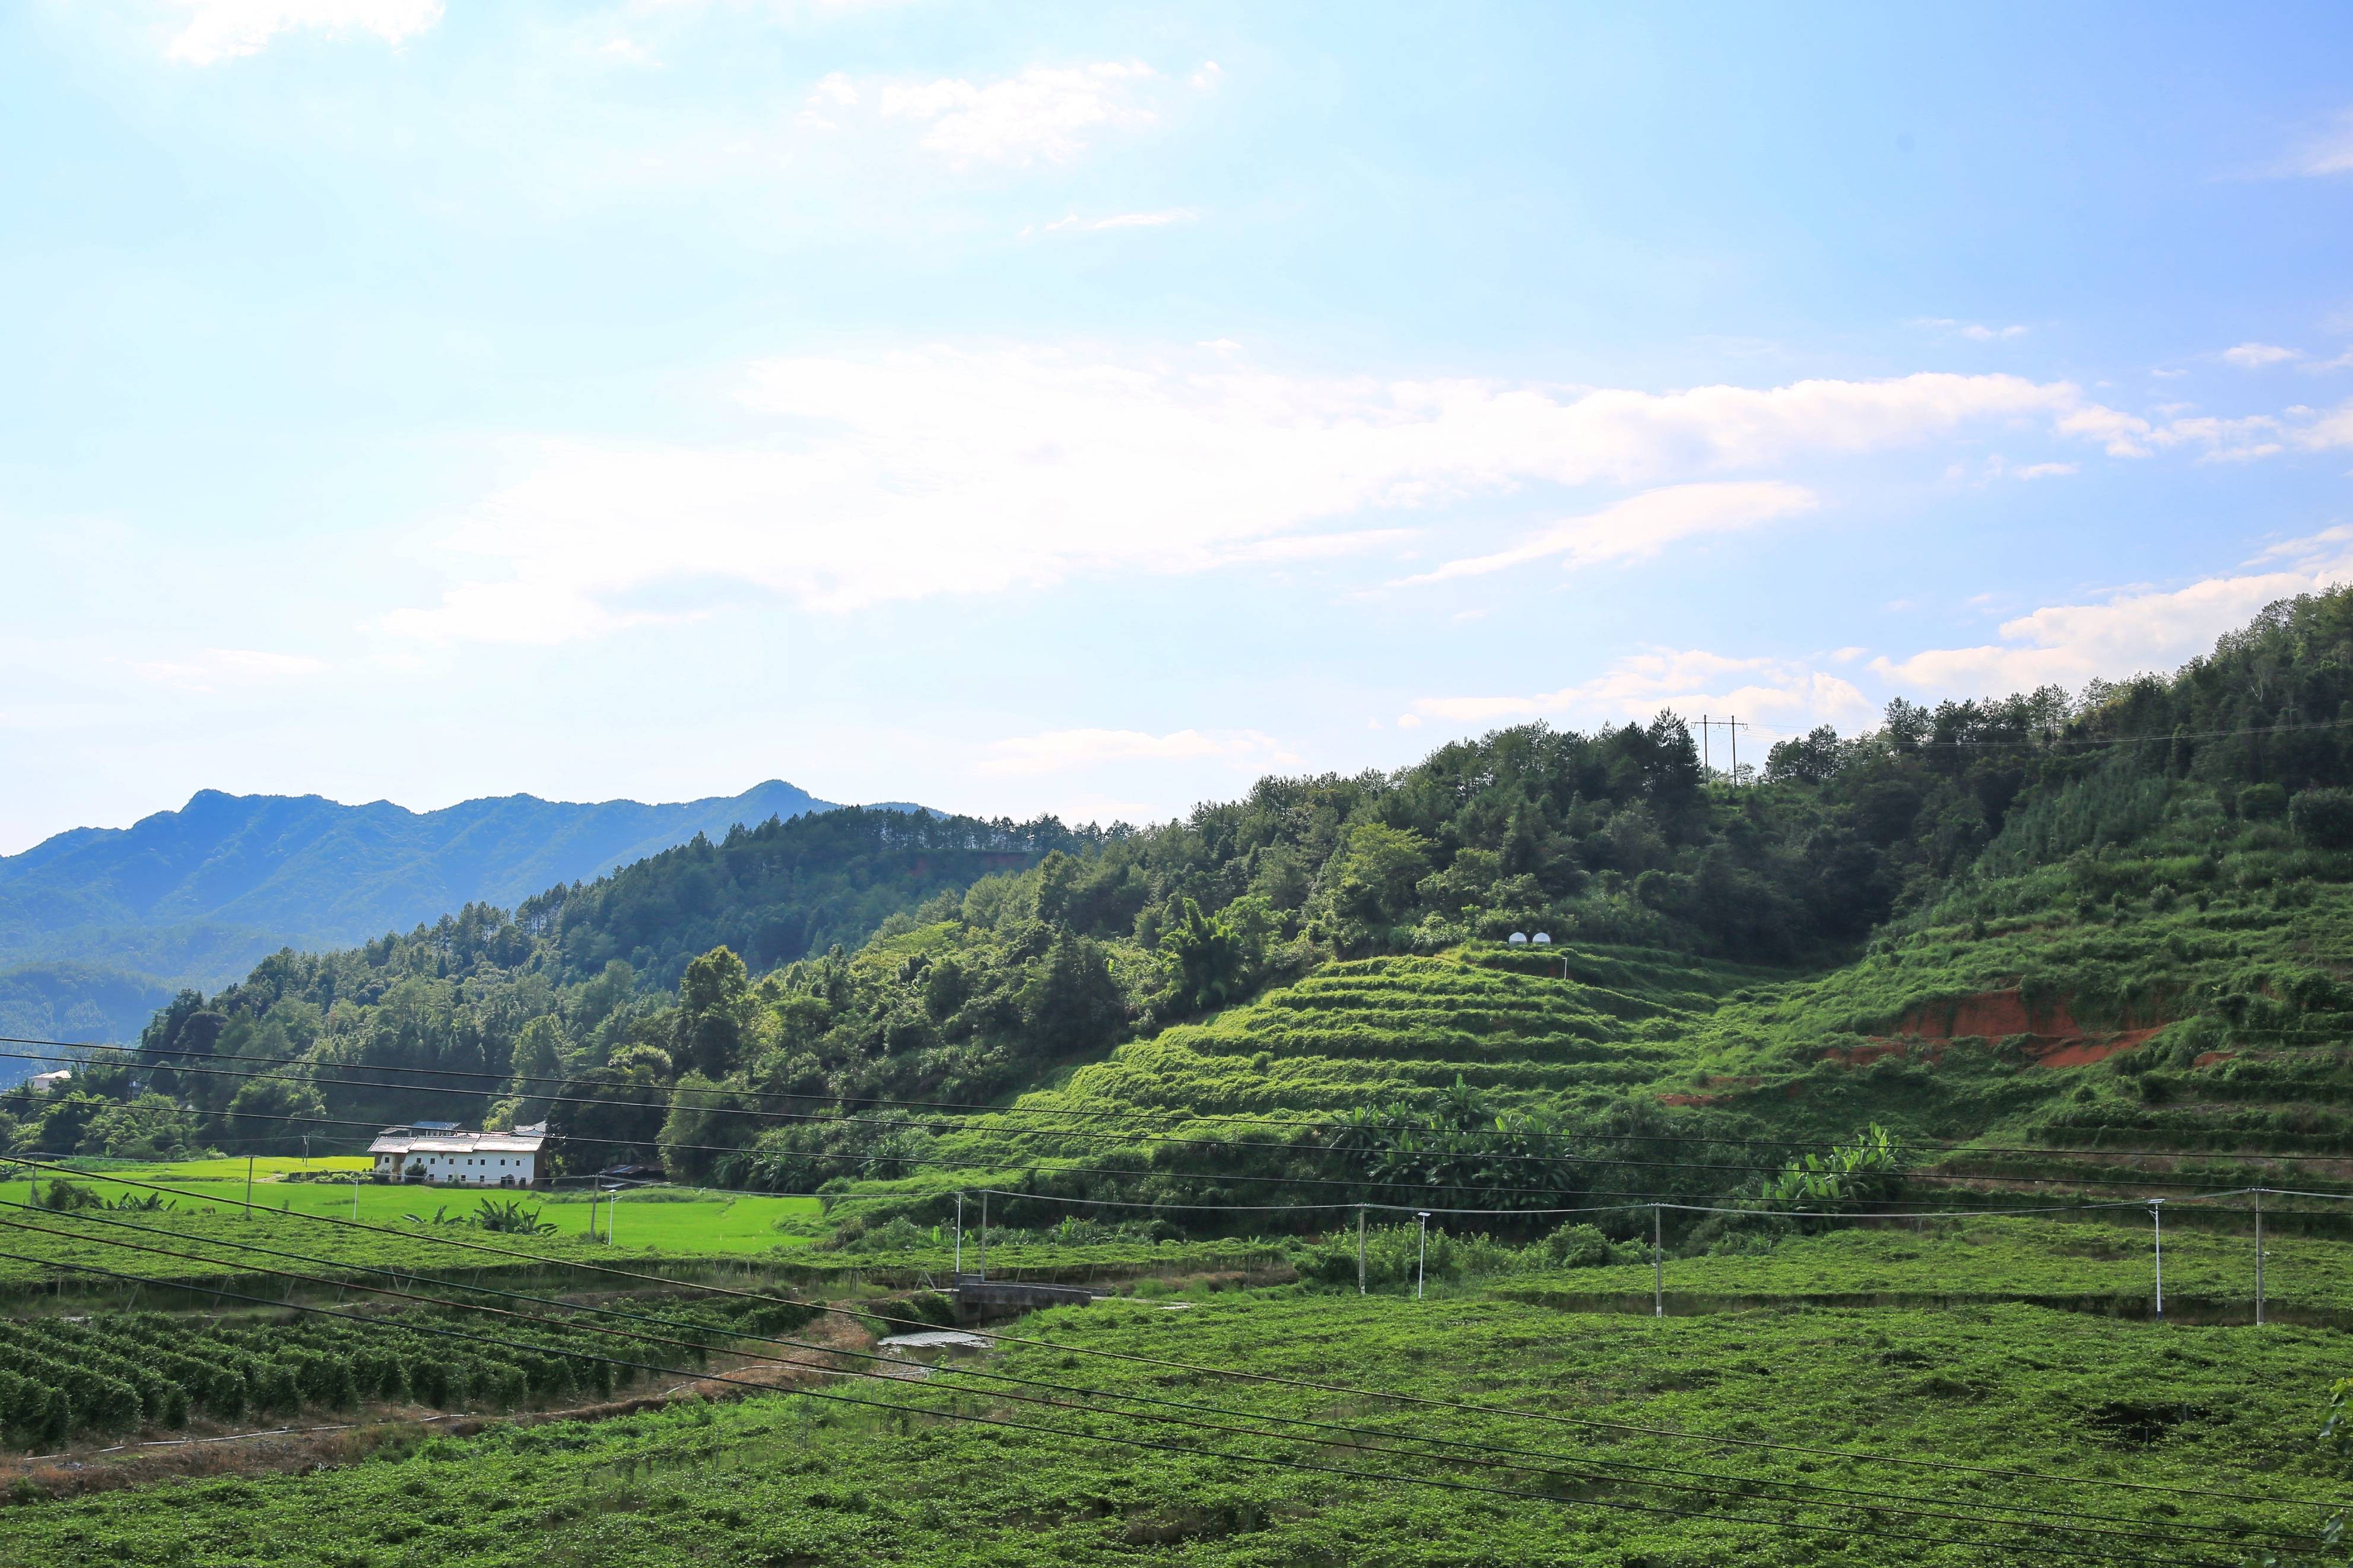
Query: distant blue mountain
{"type": "Point", "coordinates": [95, 922]}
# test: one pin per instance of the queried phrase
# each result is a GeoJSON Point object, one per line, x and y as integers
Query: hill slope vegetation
{"type": "Point", "coordinates": [2044, 915]}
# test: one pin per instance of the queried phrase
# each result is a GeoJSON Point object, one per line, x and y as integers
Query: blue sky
{"type": "Point", "coordinates": [1088, 408]}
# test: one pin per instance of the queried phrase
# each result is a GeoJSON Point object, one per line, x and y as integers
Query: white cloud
{"type": "Point", "coordinates": [1779, 697]}
{"type": "Point", "coordinates": [226, 29]}
{"type": "Point", "coordinates": [1047, 113]}
{"type": "Point", "coordinates": [2328, 430]}
{"type": "Point", "coordinates": [1641, 526]}
{"type": "Point", "coordinates": [1121, 220]}
{"type": "Point", "coordinates": [1997, 467]}
{"type": "Point", "coordinates": [220, 667]}
{"type": "Point", "coordinates": [1147, 220]}
{"type": "Point", "coordinates": [2237, 440]}
{"type": "Point", "coordinates": [2125, 635]}
{"type": "Point", "coordinates": [1976, 332]}
{"type": "Point", "coordinates": [1057, 751]}
{"type": "Point", "coordinates": [909, 475]}
{"type": "Point", "coordinates": [2313, 549]}
{"type": "Point", "coordinates": [2254, 356]}
{"type": "Point", "coordinates": [2331, 153]}
{"type": "Point", "coordinates": [832, 95]}
{"type": "Point", "coordinates": [1207, 79]}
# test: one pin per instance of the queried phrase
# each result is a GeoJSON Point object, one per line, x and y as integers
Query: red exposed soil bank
{"type": "Point", "coordinates": [1989, 1015]}
{"type": "Point", "coordinates": [2051, 1035]}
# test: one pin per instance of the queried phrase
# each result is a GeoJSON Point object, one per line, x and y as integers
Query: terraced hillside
{"type": "Point", "coordinates": [1368, 1030]}
{"type": "Point", "coordinates": [2212, 1028]}
{"type": "Point", "coordinates": [2142, 997]}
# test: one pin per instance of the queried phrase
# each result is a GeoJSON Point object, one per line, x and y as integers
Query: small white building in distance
{"type": "Point", "coordinates": [443, 1155]}
{"type": "Point", "coordinates": [51, 1083]}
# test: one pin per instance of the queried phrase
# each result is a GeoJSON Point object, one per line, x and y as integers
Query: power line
{"type": "Point", "coordinates": [140, 1059]}
{"type": "Point", "coordinates": [925, 1163]}
{"type": "Point", "coordinates": [414, 1278]}
{"type": "Point", "coordinates": [704, 1376]}
{"type": "Point", "coordinates": [921, 1160]}
{"type": "Point", "coordinates": [1635, 1197]}
{"type": "Point", "coordinates": [1546, 1417]}
{"type": "Point", "coordinates": [1239, 1431]}
{"type": "Point", "coordinates": [2167, 738]}
{"type": "Point", "coordinates": [2054, 742]}
{"type": "Point", "coordinates": [818, 1119]}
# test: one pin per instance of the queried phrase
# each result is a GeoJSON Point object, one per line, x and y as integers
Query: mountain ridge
{"type": "Point", "coordinates": [197, 894]}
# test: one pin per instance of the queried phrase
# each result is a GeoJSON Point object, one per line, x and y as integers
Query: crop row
{"type": "Point", "coordinates": [112, 1372]}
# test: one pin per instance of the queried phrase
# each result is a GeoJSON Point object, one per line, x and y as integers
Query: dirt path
{"type": "Point", "coordinates": [210, 1450]}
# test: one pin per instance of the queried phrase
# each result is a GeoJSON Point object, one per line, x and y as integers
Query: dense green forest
{"type": "Point", "coordinates": [869, 955]}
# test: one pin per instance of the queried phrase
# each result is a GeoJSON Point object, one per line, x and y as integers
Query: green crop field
{"type": "Point", "coordinates": [658, 1223]}
{"type": "Point", "coordinates": [2091, 1409]}
{"type": "Point", "coordinates": [208, 1236]}
{"type": "Point", "coordinates": [264, 1167]}
{"type": "Point", "coordinates": [105, 1374]}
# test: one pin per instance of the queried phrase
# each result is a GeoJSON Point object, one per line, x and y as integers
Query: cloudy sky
{"type": "Point", "coordinates": [1088, 409]}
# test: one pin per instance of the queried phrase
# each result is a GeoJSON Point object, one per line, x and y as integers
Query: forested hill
{"type": "Point", "coordinates": [98, 925]}
{"type": "Point", "coordinates": [225, 872]}
{"type": "Point", "coordinates": [1988, 830]}
{"type": "Point", "coordinates": [594, 961]}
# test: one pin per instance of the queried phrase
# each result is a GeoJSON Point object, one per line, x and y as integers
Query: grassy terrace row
{"type": "Point", "coordinates": [1369, 1029]}
{"type": "Point", "coordinates": [669, 1240]}
{"type": "Point", "coordinates": [2248, 990]}
{"type": "Point", "coordinates": [2103, 1263]}
{"type": "Point", "coordinates": [787, 1479]}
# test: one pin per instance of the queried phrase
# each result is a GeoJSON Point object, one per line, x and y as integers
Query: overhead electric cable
{"type": "Point", "coordinates": [1620, 1506]}
{"type": "Point", "coordinates": [977, 1112]}
{"type": "Point", "coordinates": [1546, 1417]}
{"type": "Point", "coordinates": [1583, 1461]}
{"type": "Point", "coordinates": [927, 1161]}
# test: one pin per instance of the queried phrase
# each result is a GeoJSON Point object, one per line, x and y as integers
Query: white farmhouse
{"type": "Point", "coordinates": [51, 1083]}
{"type": "Point", "coordinates": [442, 1155]}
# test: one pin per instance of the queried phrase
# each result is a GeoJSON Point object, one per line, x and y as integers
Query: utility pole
{"type": "Point", "coordinates": [2156, 1219]}
{"type": "Point", "coordinates": [1658, 1265]}
{"type": "Point", "coordinates": [1360, 1251]}
{"type": "Point", "coordinates": [1421, 1259]}
{"type": "Point", "coordinates": [612, 1209]}
{"type": "Point", "coordinates": [959, 1261]}
{"type": "Point", "coordinates": [2259, 1257]}
{"type": "Point", "coordinates": [1732, 728]}
{"type": "Point", "coordinates": [249, 1186]}
{"type": "Point", "coordinates": [984, 1233]}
